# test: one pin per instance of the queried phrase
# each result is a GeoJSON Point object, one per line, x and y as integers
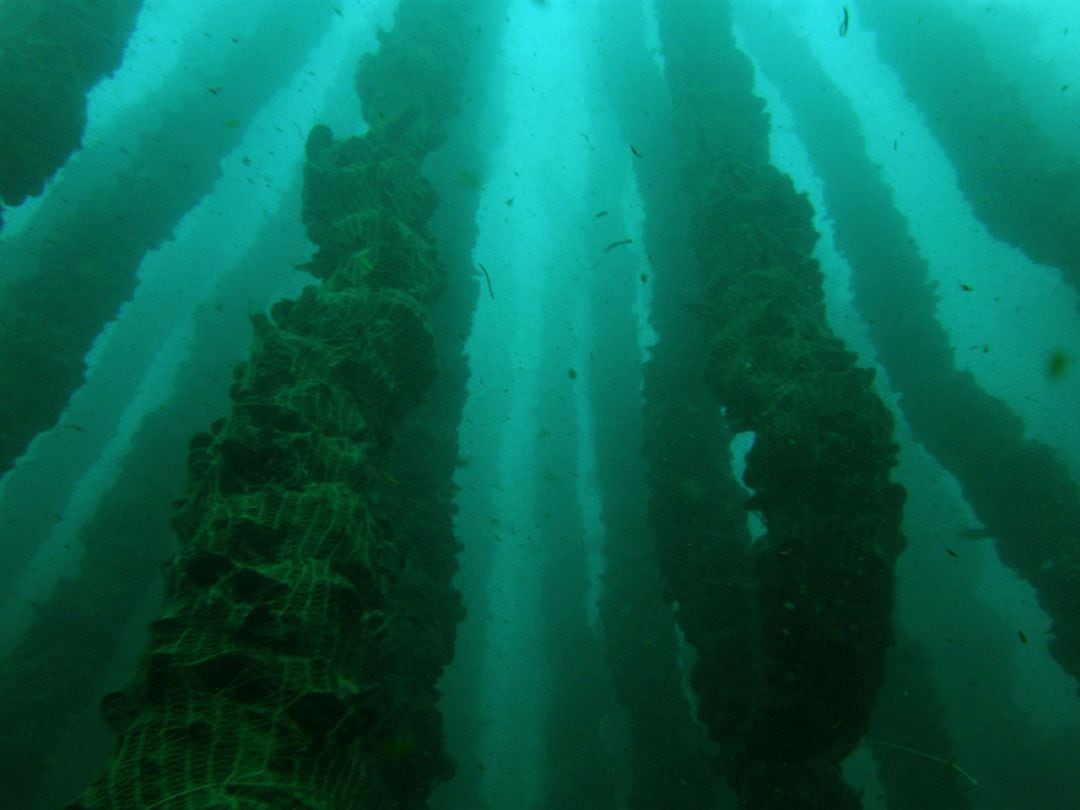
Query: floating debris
{"type": "Point", "coordinates": [618, 243]}
{"type": "Point", "coordinates": [487, 277]}
{"type": "Point", "coordinates": [1057, 363]}
{"type": "Point", "coordinates": [469, 179]}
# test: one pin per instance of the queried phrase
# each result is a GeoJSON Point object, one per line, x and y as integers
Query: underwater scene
{"type": "Point", "coordinates": [540, 404]}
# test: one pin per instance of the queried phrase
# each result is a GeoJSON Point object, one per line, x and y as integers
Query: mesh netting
{"type": "Point", "coordinates": [310, 610]}
{"type": "Point", "coordinates": [252, 692]}
{"type": "Point", "coordinates": [819, 621]}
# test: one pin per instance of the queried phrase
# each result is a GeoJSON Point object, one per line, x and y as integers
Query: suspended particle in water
{"type": "Point", "coordinates": [1057, 363]}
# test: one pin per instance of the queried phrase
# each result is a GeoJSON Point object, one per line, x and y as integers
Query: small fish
{"type": "Point", "coordinates": [600, 214]}
{"type": "Point", "coordinates": [215, 89]}
{"type": "Point", "coordinates": [951, 553]}
{"type": "Point", "coordinates": [966, 287]}
{"type": "Point", "coordinates": [571, 373]}
{"type": "Point", "coordinates": [617, 243]}
{"type": "Point", "coordinates": [634, 150]}
{"type": "Point", "coordinates": [1023, 638]}
{"type": "Point", "coordinates": [844, 22]}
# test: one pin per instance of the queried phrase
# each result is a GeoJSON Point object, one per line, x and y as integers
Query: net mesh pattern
{"type": "Point", "coordinates": [310, 609]}
{"type": "Point", "coordinates": [265, 681]}
{"type": "Point", "coordinates": [819, 621]}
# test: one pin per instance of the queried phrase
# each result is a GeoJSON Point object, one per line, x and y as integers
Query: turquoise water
{"type": "Point", "coordinates": [603, 659]}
